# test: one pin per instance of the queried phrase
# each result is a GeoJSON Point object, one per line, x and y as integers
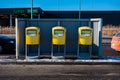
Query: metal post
{"type": "Point", "coordinates": [26, 52]}
{"type": "Point", "coordinates": [10, 20]}
{"type": "Point", "coordinates": [64, 50]}
{"type": "Point", "coordinates": [0, 30]}
{"type": "Point", "coordinates": [90, 51]}
{"type": "Point", "coordinates": [38, 16]}
{"type": "Point", "coordinates": [79, 9]}
{"type": "Point", "coordinates": [39, 51]}
{"type": "Point", "coordinates": [52, 51]}
{"type": "Point", "coordinates": [58, 23]}
{"type": "Point", "coordinates": [78, 51]}
{"type": "Point", "coordinates": [31, 9]}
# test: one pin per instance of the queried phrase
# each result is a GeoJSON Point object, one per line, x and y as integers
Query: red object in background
{"type": "Point", "coordinates": [115, 43]}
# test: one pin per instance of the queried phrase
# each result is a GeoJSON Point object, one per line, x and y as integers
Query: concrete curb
{"type": "Point", "coordinates": [59, 62]}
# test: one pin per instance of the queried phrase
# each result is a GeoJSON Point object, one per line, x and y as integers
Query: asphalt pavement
{"type": "Point", "coordinates": [59, 72]}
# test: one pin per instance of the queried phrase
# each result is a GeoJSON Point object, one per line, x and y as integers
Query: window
{"type": "Point", "coordinates": [118, 34]}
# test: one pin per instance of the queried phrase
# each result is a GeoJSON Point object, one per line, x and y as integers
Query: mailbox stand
{"type": "Point", "coordinates": [58, 48]}
{"type": "Point", "coordinates": [84, 42]}
{"type": "Point", "coordinates": [32, 43]}
{"type": "Point", "coordinates": [60, 52]}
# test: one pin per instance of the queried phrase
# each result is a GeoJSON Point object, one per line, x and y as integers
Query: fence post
{"type": "Point", "coordinates": [0, 30]}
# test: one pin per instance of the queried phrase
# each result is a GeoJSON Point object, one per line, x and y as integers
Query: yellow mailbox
{"type": "Point", "coordinates": [58, 35]}
{"type": "Point", "coordinates": [32, 36]}
{"type": "Point", "coordinates": [85, 35]}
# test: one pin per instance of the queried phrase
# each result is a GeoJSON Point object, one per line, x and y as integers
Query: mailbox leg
{"type": "Point", "coordinates": [39, 51]}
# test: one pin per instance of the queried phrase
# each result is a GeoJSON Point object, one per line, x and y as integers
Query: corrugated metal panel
{"type": "Point", "coordinates": [72, 35]}
{"type": "Point", "coordinates": [21, 37]}
{"type": "Point", "coordinates": [32, 50]}
{"type": "Point", "coordinates": [46, 36]}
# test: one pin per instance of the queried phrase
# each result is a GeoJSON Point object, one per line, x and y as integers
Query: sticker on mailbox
{"type": "Point", "coordinates": [32, 33]}
{"type": "Point", "coordinates": [59, 33]}
{"type": "Point", "coordinates": [86, 33]}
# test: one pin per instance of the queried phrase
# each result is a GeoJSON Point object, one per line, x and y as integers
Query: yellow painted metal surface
{"type": "Point", "coordinates": [58, 35]}
{"type": "Point", "coordinates": [32, 35]}
{"type": "Point", "coordinates": [85, 35]}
